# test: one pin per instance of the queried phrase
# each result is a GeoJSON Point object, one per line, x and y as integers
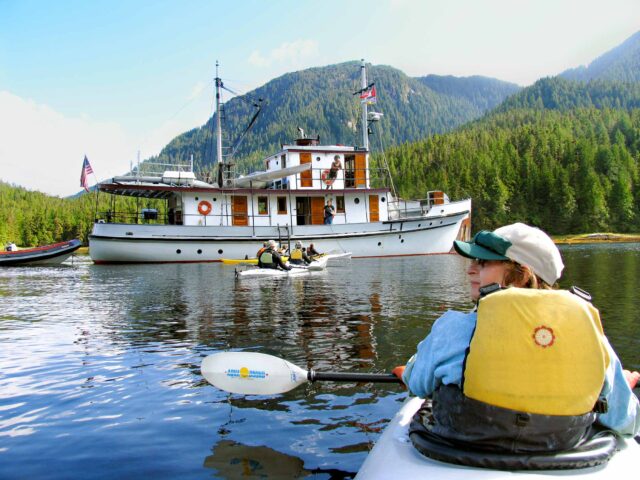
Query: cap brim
{"type": "Point", "coordinates": [473, 250]}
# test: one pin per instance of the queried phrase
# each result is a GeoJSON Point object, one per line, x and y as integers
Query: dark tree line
{"type": "Point", "coordinates": [565, 171]}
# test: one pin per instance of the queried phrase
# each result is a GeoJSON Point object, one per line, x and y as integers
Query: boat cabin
{"type": "Point", "coordinates": [297, 183]}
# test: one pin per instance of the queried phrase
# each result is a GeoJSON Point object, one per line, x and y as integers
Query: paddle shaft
{"type": "Point", "coordinates": [314, 376]}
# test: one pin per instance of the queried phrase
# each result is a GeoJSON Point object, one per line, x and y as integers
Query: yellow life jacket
{"type": "Point", "coordinates": [296, 254]}
{"type": "Point", "coordinates": [266, 258]}
{"type": "Point", "coordinates": [536, 351]}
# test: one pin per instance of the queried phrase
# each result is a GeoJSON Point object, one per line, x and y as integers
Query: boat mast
{"type": "Point", "coordinates": [365, 127]}
{"type": "Point", "coordinates": [218, 120]}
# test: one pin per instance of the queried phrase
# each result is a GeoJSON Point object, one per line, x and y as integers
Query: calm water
{"type": "Point", "coordinates": [99, 365]}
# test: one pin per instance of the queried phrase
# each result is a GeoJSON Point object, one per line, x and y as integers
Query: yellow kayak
{"type": "Point", "coordinates": [254, 261]}
{"type": "Point", "coordinates": [245, 261]}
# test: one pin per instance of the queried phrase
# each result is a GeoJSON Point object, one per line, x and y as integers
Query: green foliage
{"type": "Point", "coordinates": [621, 64]}
{"type": "Point", "coordinates": [31, 219]}
{"type": "Point", "coordinates": [567, 171]}
{"type": "Point", "coordinates": [321, 101]}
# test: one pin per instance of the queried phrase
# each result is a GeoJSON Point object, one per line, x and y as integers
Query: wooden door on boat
{"type": "Point", "coordinates": [374, 208]}
{"type": "Point", "coordinates": [239, 211]}
{"type": "Point", "coordinates": [361, 170]}
{"type": "Point", "coordinates": [317, 210]}
{"type": "Point", "coordinates": [306, 179]}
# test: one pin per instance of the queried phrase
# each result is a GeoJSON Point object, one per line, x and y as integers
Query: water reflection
{"type": "Point", "coordinates": [100, 364]}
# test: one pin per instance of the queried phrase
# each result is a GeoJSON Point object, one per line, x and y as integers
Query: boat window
{"type": "Point", "coordinates": [339, 204]}
{"type": "Point", "coordinates": [282, 205]}
{"type": "Point", "coordinates": [283, 161]}
{"type": "Point", "coordinates": [349, 170]}
{"type": "Point", "coordinates": [263, 205]}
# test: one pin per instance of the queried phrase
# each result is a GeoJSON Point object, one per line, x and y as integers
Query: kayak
{"type": "Point", "coordinates": [394, 456]}
{"type": "Point", "coordinates": [254, 261]}
{"type": "Point", "coordinates": [296, 270]}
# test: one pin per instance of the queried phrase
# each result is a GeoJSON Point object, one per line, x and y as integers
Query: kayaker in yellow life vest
{"type": "Point", "coordinates": [270, 258]}
{"type": "Point", "coordinates": [530, 369]}
{"type": "Point", "coordinates": [298, 255]}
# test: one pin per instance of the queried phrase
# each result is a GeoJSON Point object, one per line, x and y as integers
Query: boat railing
{"type": "Point", "coordinates": [321, 179]}
{"type": "Point", "coordinates": [179, 218]}
{"type": "Point", "coordinates": [400, 208]}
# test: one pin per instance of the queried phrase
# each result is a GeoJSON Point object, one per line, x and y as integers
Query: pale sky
{"type": "Point", "coordinates": [111, 78]}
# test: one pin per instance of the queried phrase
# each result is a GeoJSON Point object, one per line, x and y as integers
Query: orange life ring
{"type": "Point", "coordinates": [326, 178]}
{"type": "Point", "coordinates": [204, 208]}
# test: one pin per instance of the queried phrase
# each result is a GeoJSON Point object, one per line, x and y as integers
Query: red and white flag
{"type": "Point", "coordinates": [86, 170]}
{"type": "Point", "coordinates": [369, 95]}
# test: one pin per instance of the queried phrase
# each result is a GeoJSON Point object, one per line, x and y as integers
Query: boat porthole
{"type": "Point", "coordinates": [430, 223]}
{"type": "Point", "coordinates": [402, 241]}
{"type": "Point", "coordinates": [419, 225]}
{"type": "Point", "coordinates": [178, 251]}
{"type": "Point", "coordinates": [317, 159]}
{"type": "Point", "coordinates": [399, 236]}
{"type": "Point", "coordinates": [197, 199]}
{"type": "Point", "coordinates": [215, 199]}
{"type": "Point", "coordinates": [379, 244]}
{"type": "Point", "coordinates": [199, 252]}
{"type": "Point", "coordinates": [440, 222]}
{"type": "Point", "coordinates": [356, 201]}
{"type": "Point", "coordinates": [383, 199]}
{"type": "Point", "coordinates": [220, 251]}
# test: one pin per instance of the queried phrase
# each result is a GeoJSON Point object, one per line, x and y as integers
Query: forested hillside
{"type": "Point", "coordinates": [32, 218]}
{"type": "Point", "coordinates": [321, 101]}
{"type": "Point", "coordinates": [482, 92]}
{"type": "Point", "coordinates": [562, 154]}
{"type": "Point", "coordinates": [565, 171]}
{"type": "Point", "coordinates": [621, 64]}
{"type": "Point", "coordinates": [560, 94]}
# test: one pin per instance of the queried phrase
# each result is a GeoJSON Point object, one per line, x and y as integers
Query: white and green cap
{"type": "Point", "coordinates": [521, 243]}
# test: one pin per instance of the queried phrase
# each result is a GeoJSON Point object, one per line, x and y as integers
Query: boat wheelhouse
{"type": "Point", "coordinates": [201, 221]}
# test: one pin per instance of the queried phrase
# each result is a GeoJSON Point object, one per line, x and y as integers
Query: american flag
{"type": "Point", "coordinates": [86, 170]}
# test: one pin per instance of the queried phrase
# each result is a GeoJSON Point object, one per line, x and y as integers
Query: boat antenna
{"type": "Point", "coordinates": [218, 120]}
{"type": "Point", "coordinates": [363, 85]}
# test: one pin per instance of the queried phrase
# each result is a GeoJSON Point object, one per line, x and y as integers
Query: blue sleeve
{"type": "Point", "coordinates": [440, 356]}
{"type": "Point", "coordinates": [623, 414]}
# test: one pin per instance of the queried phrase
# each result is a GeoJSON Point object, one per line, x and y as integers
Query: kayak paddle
{"type": "Point", "coordinates": [253, 373]}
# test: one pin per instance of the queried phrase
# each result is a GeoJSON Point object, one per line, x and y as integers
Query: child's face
{"type": "Point", "coordinates": [485, 272]}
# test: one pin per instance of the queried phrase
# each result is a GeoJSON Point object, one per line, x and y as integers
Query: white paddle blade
{"type": "Point", "coordinates": [251, 373]}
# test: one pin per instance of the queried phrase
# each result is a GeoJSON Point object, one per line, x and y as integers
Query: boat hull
{"type": "Point", "coordinates": [394, 456]}
{"type": "Point", "coordinates": [53, 254]}
{"type": "Point", "coordinates": [124, 243]}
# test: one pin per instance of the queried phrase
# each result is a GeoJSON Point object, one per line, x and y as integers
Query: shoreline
{"type": "Point", "coordinates": [600, 237]}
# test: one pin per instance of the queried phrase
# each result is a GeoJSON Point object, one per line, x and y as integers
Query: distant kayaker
{"type": "Point", "coordinates": [298, 255]}
{"type": "Point", "coordinates": [530, 369]}
{"type": "Point", "coordinates": [311, 251]}
{"type": "Point", "coordinates": [262, 249]}
{"type": "Point", "coordinates": [270, 258]}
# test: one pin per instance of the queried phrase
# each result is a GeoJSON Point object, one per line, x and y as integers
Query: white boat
{"type": "Point", "coordinates": [209, 221]}
{"type": "Point", "coordinates": [394, 456]}
{"type": "Point", "coordinates": [253, 271]}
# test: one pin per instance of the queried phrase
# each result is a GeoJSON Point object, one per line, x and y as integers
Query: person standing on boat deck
{"type": "Point", "coordinates": [467, 368]}
{"type": "Point", "coordinates": [336, 165]}
{"type": "Point", "coordinates": [329, 212]}
{"type": "Point", "coordinates": [298, 255]}
{"type": "Point", "coordinates": [270, 258]}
